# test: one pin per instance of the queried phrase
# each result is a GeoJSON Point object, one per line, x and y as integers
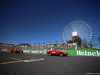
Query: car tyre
{"type": "Point", "coordinates": [61, 54]}
{"type": "Point", "coordinates": [21, 52]}
{"type": "Point", "coordinates": [17, 52]}
{"type": "Point", "coordinates": [49, 54]}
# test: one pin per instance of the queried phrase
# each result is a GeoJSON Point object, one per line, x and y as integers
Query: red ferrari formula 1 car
{"type": "Point", "coordinates": [56, 52]}
{"type": "Point", "coordinates": [16, 51]}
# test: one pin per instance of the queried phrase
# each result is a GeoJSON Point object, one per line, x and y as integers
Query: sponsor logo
{"type": "Point", "coordinates": [34, 51]}
{"type": "Point", "coordinates": [96, 53]}
{"type": "Point", "coordinates": [25, 51]}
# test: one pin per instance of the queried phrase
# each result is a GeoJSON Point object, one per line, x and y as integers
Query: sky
{"type": "Point", "coordinates": [38, 21]}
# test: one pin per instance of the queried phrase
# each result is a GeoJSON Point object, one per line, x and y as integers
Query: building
{"type": "Point", "coordinates": [4, 45]}
{"type": "Point", "coordinates": [24, 45]}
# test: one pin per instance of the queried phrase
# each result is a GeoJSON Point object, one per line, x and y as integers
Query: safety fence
{"type": "Point", "coordinates": [70, 52]}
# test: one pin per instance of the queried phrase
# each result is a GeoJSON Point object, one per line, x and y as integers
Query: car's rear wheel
{"type": "Point", "coordinates": [17, 52]}
{"type": "Point", "coordinates": [21, 52]}
{"type": "Point", "coordinates": [49, 54]}
{"type": "Point", "coordinates": [61, 54]}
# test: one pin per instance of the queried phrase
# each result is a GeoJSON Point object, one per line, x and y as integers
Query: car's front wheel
{"type": "Point", "coordinates": [61, 54]}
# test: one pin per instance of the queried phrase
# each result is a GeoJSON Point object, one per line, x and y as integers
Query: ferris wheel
{"type": "Point", "coordinates": [78, 28]}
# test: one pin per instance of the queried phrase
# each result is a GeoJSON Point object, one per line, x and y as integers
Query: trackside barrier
{"type": "Point", "coordinates": [27, 51]}
{"type": "Point", "coordinates": [70, 52]}
{"type": "Point", "coordinates": [36, 51]}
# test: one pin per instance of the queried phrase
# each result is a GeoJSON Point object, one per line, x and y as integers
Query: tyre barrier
{"type": "Point", "coordinates": [70, 52]}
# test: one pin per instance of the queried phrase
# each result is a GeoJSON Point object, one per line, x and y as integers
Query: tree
{"type": "Point", "coordinates": [91, 45]}
{"type": "Point", "coordinates": [78, 40]}
{"type": "Point", "coordinates": [70, 41]}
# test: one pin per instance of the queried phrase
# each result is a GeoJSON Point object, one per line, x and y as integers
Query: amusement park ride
{"type": "Point", "coordinates": [80, 29]}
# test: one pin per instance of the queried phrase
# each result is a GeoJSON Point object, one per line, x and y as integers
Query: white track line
{"type": "Point", "coordinates": [14, 58]}
{"type": "Point", "coordinates": [32, 60]}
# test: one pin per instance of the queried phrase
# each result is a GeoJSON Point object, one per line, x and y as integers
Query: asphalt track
{"type": "Point", "coordinates": [42, 64]}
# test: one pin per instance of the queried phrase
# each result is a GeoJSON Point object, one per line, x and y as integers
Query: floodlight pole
{"type": "Point", "coordinates": [34, 44]}
{"type": "Point", "coordinates": [99, 39]}
{"type": "Point", "coordinates": [39, 46]}
{"type": "Point", "coordinates": [56, 45]}
{"type": "Point", "coordinates": [44, 45]}
{"type": "Point", "coordinates": [50, 44]}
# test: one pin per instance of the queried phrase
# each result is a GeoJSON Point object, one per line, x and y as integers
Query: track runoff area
{"type": "Point", "coordinates": [42, 64]}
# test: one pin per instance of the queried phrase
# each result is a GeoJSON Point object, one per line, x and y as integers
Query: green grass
{"type": "Point", "coordinates": [73, 47]}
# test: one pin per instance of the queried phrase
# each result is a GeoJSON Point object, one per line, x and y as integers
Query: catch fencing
{"type": "Point", "coordinates": [44, 46]}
